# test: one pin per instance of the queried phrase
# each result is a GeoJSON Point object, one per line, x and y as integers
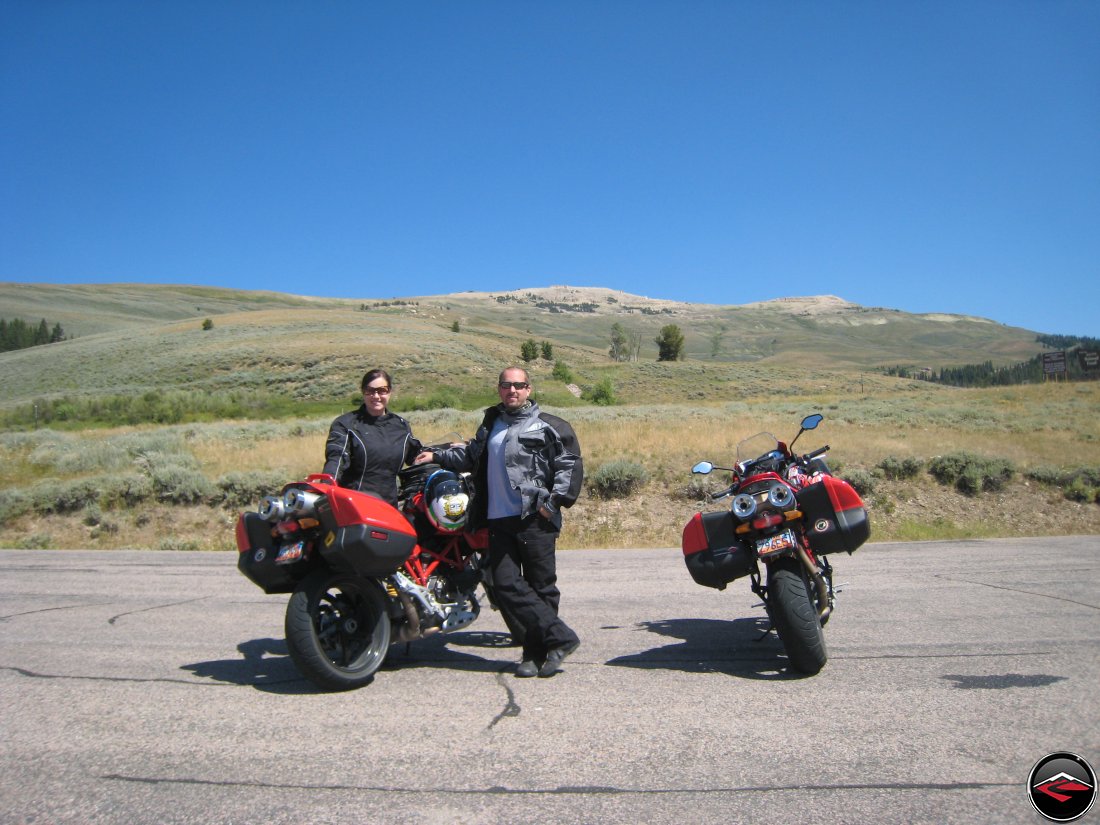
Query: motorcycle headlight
{"type": "Point", "coordinates": [780, 496]}
{"type": "Point", "coordinates": [743, 506]}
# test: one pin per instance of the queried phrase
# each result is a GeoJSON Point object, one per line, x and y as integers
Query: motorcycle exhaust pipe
{"type": "Point", "coordinates": [819, 582]}
{"type": "Point", "coordinates": [780, 496]}
{"type": "Point", "coordinates": [272, 508]}
{"type": "Point", "coordinates": [410, 630]}
{"type": "Point", "coordinates": [744, 506]}
{"type": "Point", "coordinates": [300, 502]}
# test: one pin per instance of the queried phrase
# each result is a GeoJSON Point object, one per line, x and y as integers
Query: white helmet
{"type": "Point", "coordinates": [446, 501]}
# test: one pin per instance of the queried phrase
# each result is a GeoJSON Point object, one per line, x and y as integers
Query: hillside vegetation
{"type": "Point", "coordinates": [245, 403]}
{"type": "Point", "coordinates": [132, 339]}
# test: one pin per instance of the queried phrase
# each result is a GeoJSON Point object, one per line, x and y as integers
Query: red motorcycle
{"type": "Point", "coordinates": [787, 514]}
{"type": "Point", "coordinates": [362, 573]}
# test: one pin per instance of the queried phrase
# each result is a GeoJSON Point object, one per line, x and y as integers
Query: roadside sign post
{"type": "Point", "coordinates": [1054, 364]}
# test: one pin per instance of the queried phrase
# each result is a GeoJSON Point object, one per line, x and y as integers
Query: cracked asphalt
{"type": "Point", "coordinates": [156, 687]}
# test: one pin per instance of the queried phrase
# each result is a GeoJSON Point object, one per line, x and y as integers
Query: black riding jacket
{"type": "Point", "coordinates": [364, 453]}
{"type": "Point", "coordinates": [542, 457]}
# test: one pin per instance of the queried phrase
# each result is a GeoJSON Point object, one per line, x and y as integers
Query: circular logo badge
{"type": "Point", "coordinates": [1062, 786]}
{"type": "Point", "coordinates": [259, 555]}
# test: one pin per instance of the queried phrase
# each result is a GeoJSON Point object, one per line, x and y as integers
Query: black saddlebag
{"type": "Point", "coordinates": [712, 552]}
{"type": "Point", "coordinates": [256, 559]}
{"type": "Point", "coordinates": [366, 550]}
{"type": "Point", "coordinates": [834, 514]}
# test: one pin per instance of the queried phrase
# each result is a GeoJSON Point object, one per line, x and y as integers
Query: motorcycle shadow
{"type": "Point", "coordinates": [436, 651]}
{"type": "Point", "coordinates": [265, 665]}
{"type": "Point", "coordinates": [735, 647]}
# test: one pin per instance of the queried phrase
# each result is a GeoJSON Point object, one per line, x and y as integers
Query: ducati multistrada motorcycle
{"type": "Point", "coordinates": [787, 514]}
{"type": "Point", "coordinates": [363, 574]}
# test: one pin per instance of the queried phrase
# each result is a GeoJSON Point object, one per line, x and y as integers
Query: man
{"type": "Point", "coordinates": [526, 466]}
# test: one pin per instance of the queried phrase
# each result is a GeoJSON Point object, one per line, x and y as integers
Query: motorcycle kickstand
{"type": "Point", "coordinates": [762, 592]}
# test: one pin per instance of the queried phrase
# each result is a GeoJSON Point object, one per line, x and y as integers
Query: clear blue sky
{"type": "Point", "coordinates": [923, 156]}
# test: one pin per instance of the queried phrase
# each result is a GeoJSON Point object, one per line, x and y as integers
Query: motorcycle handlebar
{"type": "Point", "coordinates": [810, 456]}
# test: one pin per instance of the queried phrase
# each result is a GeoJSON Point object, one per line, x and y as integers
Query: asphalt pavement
{"type": "Point", "coordinates": [155, 687]}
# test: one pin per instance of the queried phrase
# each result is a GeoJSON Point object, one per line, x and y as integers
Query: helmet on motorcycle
{"type": "Point", "coordinates": [446, 501]}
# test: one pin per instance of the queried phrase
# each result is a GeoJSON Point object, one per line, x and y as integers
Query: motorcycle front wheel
{"type": "Point", "coordinates": [337, 629]}
{"type": "Point", "coordinates": [791, 598]}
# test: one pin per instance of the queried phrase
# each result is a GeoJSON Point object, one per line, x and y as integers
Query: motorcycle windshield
{"type": "Point", "coordinates": [755, 446]}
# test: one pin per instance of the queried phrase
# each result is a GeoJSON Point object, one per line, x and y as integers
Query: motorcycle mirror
{"type": "Point", "coordinates": [808, 423]}
{"type": "Point", "coordinates": [702, 468]}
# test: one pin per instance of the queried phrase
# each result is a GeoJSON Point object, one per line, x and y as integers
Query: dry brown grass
{"type": "Point", "coordinates": [1031, 427]}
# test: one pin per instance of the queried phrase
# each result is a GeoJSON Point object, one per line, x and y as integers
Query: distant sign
{"type": "Point", "coordinates": [1088, 360]}
{"type": "Point", "coordinates": [1054, 363]}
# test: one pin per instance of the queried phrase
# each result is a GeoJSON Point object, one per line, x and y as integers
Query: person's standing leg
{"type": "Point", "coordinates": [537, 544]}
{"type": "Point", "coordinates": [513, 593]}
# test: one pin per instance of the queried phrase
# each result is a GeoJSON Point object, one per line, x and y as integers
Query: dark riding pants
{"type": "Point", "coordinates": [524, 571]}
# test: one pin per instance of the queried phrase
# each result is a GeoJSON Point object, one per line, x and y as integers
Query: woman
{"type": "Point", "coordinates": [366, 447]}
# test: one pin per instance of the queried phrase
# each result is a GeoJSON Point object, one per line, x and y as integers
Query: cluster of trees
{"type": "Point", "coordinates": [396, 302]}
{"type": "Point", "coordinates": [987, 375]}
{"type": "Point", "coordinates": [974, 375]}
{"type": "Point", "coordinates": [557, 306]}
{"type": "Point", "coordinates": [625, 346]}
{"type": "Point", "coordinates": [529, 350]}
{"type": "Point", "coordinates": [18, 334]}
{"type": "Point", "coordinates": [1068, 341]}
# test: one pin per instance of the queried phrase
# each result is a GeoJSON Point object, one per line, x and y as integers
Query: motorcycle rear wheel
{"type": "Point", "coordinates": [337, 629]}
{"type": "Point", "coordinates": [791, 598]}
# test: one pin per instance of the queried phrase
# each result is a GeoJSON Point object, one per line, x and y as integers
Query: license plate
{"type": "Point", "coordinates": [775, 544]}
{"type": "Point", "coordinates": [290, 553]}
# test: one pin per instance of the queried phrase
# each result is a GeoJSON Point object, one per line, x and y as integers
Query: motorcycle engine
{"type": "Point", "coordinates": [457, 603]}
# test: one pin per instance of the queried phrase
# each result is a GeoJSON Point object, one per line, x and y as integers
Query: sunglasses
{"type": "Point", "coordinates": [517, 385]}
{"type": "Point", "coordinates": [376, 391]}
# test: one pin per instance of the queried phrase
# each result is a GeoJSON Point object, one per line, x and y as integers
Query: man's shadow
{"type": "Point", "coordinates": [735, 647]}
{"type": "Point", "coordinates": [265, 664]}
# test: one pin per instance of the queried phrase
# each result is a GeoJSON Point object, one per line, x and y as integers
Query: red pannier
{"type": "Point", "coordinates": [712, 552]}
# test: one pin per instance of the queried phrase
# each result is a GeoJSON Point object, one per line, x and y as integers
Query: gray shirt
{"type": "Point", "coordinates": [504, 499]}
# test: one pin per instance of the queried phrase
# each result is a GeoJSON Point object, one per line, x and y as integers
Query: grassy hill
{"type": "Point", "coordinates": [191, 424]}
{"type": "Point", "coordinates": [133, 339]}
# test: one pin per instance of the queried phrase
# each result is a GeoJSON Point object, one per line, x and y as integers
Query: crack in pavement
{"type": "Point", "coordinates": [48, 609]}
{"type": "Point", "coordinates": [511, 707]}
{"type": "Point", "coordinates": [1019, 590]}
{"type": "Point", "coordinates": [114, 619]}
{"type": "Point", "coordinates": [30, 674]}
{"type": "Point", "coordinates": [562, 790]}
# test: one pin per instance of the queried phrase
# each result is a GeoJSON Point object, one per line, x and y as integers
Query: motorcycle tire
{"type": "Point", "coordinates": [792, 599]}
{"type": "Point", "coordinates": [337, 629]}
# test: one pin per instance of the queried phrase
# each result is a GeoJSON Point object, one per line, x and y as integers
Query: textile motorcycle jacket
{"type": "Point", "coordinates": [542, 458]}
{"type": "Point", "coordinates": [364, 453]}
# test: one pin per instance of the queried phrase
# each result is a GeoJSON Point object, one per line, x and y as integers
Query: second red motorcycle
{"type": "Point", "coordinates": [787, 514]}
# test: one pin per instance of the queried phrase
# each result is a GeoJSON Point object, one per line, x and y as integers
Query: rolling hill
{"type": "Point", "coordinates": [132, 338]}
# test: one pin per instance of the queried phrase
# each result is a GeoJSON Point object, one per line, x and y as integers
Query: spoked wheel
{"type": "Point", "coordinates": [792, 599]}
{"type": "Point", "coordinates": [337, 629]}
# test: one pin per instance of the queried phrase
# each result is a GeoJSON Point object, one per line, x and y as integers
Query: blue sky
{"type": "Point", "coordinates": [922, 156]}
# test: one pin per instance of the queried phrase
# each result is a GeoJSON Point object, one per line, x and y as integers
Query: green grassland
{"type": "Point", "coordinates": [154, 432]}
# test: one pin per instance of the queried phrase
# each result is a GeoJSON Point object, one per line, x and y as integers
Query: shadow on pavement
{"type": "Point", "coordinates": [736, 647]}
{"type": "Point", "coordinates": [265, 664]}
